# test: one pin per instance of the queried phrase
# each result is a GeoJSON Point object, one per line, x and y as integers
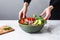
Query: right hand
{"type": "Point", "coordinates": [47, 12]}
{"type": "Point", "coordinates": [22, 13]}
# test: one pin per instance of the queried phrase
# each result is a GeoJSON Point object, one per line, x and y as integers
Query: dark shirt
{"type": "Point", "coordinates": [55, 13]}
{"type": "Point", "coordinates": [55, 3]}
{"type": "Point", "coordinates": [28, 1]}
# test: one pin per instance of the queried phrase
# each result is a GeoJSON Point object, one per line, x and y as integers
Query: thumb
{"type": "Point", "coordinates": [24, 14]}
{"type": "Point", "coordinates": [20, 15]}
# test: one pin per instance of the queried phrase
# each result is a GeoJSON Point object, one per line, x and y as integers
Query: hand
{"type": "Point", "coordinates": [47, 12]}
{"type": "Point", "coordinates": [22, 13]}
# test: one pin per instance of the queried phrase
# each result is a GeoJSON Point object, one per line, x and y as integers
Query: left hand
{"type": "Point", "coordinates": [23, 11]}
{"type": "Point", "coordinates": [47, 12]}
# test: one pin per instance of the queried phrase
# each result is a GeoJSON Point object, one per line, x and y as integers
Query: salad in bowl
{"type": "Point", "coordinates": [32, 24]}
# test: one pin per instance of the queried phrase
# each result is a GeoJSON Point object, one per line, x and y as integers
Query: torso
{"type": "Point", "coordinates": [55, 13]}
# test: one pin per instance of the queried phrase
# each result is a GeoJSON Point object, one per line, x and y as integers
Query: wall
{"type": "Point", "coordinates": [9, 9]}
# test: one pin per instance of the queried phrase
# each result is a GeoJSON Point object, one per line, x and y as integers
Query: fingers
{"type": "Point", "coordinates": [24, 14]}
{"type": "Point", "coordinates": [20, 14]}
{"type": "Point", "coordinates": [47, 15]}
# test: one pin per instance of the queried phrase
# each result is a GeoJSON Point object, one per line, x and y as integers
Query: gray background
{"type": "Point", "coordinates": [9, 9]}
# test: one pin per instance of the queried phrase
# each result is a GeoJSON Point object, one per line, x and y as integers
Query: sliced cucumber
{"type": "Point", "coordinates": [36, 22]}
{"type": "Point", "coordinates": [39, 22]}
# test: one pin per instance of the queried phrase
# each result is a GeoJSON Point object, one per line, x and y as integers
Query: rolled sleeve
{"type": "Point", "coordinates": [55, 3]}
{"type": "Point", "coordinates": [28, 1]}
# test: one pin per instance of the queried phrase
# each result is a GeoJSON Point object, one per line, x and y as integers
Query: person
{"type": "Point", "coordinates": [52, 12]}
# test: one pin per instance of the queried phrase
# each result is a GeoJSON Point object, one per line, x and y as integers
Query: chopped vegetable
{"type": "Point", "coordinates": [7, 28]}
{"type": "Point", "coordinates": [35, 16]}
{"type": "Point", "coordinates": [22, 21]}
{"type": "Point", "coordinates": [39, 21]}
{"type": "Point", "coordinates": [35, 20]}
{"type": "Point", "coordinates": [27, 20]}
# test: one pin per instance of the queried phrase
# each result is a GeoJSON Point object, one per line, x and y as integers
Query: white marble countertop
{"type": "Point", "coordinates": [51, 31]}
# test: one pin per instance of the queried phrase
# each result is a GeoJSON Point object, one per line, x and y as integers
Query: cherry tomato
{"type": "Point", "coordinates": [30, 19]}
{"type": "Point", "coordinates": [22, 21]}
